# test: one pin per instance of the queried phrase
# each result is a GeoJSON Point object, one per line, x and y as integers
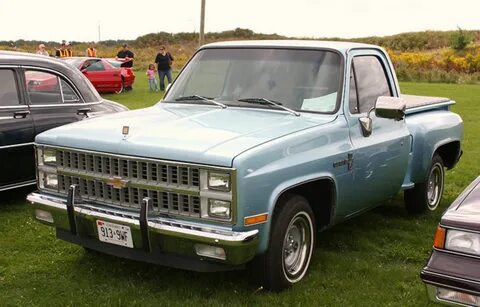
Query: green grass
{"type": "Point", "coordinates": [372, 260]}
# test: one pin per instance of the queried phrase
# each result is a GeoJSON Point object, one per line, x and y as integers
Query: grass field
{"type": "Point", "coordinates": [372, 260]}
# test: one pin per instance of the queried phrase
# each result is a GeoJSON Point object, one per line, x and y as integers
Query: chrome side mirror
{"type": "Point", "coordinates": [390, 107]}
{"type": "Point", "coordinates": [385, 107]}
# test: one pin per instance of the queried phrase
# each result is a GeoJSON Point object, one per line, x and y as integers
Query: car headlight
{"type": "Point", "coordinates": [48, 180]}
{"type": "Point", "coordinates": [219, 209]}
{"type": "Point", "coordinates": [219, 181]}
{"type": "Point", "coordinates": [47, 156]}
{"type": "Point", "coordinates": [463, 241]}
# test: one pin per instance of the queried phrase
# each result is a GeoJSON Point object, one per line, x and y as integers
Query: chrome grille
{"type": "Point", "coordinates": [162, 201]}
{"type": "Point", "coordinates": [173, 188]}
{"type": "Point", "coordinates": [160, 172]}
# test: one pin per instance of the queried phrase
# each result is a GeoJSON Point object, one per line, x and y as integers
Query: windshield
{"type": "Point", "coordinates": [74, 62]}
{"type": "Point", "coordinates": [303, 80]}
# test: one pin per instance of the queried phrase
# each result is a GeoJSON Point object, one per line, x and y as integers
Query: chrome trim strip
{"type": "Point", "coordinates": [80, 103]}
{"type": "Point", "coordinates": [18, 185]}
{"type": "Point", "coordinates": [429, 107]}
{"type": "Point", "coordinates": [158, 223]}
{"type": "Point", "coordinates": [16, 145]}
{"type": "Point", "coordinates": [452, 277]}
{"type": "Point", "coordinates": [138, 158]}
{"type": "Point", "coordinates": [21, 106]}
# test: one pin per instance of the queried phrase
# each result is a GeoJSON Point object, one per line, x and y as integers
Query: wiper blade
{"type": "Point", "coordinates": [270, 102]}
{"type": "Point", "coordinates": [201, 98]}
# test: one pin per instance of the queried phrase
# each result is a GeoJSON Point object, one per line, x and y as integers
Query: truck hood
{"type": "Point", "coordinates": [190, 133]}
{"type": "Point", "coordinates": [464, 212]}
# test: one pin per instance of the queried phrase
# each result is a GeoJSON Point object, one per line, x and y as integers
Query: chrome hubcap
{"type": "Point", "coordinates": [435, 187]}
{"type": "Point", "coordinates": [296, 245]}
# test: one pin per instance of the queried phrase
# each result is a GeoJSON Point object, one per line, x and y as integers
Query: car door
{"type": "Point", "coordinates": [53, 99]}
{"type": "Point", "coordinates": [379, 161]}
{"type": "Point", "coordinates": [102, 78]}
{"type": "Point", "coordinates": [17, 162]}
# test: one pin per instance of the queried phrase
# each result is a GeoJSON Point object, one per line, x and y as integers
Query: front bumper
{"type": "Point", "coordinates": [455, 273]}
{"type": "Point", "coordinates": [157, 240]}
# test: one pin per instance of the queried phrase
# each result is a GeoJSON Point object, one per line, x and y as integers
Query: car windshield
{"type": "Point", "coordinates": [115, 63]}
{"type": "Point", "coordinates": [302, 80]}
{"type": "Point", "coordinates": [74, 62]}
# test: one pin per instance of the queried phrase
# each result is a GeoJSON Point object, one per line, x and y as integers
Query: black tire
{"type": "Point", "coordinates": [426, 196]}
{"type": "Point", "coordinates": [291, 244]}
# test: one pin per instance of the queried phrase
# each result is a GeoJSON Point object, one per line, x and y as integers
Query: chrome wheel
{"type": "Point", "coordinates": [297, 246]}
{"type": "Point", "coordinates": [435, 186]}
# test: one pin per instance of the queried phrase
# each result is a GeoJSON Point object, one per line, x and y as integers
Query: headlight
{"type": "Point", "coordinates": [462, 241]}
{"type": "Point", "coordinates": [219, 209]}
{"type": "Point", "coordinates": [219, 181]}
{"type": "Point", "coordinates": [48, 180]}
{"type": "Point", "coordinates": [49, 157]}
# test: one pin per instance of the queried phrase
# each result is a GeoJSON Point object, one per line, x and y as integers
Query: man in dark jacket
{"type": "Point", "coordinates": [164, 61]}
{"type": "Point", "coordinates": [126, 56]}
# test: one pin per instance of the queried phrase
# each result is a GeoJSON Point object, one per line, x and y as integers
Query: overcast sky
{"type": "Point", "coordinates": [79, 20]}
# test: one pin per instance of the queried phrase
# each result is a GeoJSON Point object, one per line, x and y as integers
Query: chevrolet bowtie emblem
{"type": "Point", "coordinates": [117, 182]}
{"type": "Point", "coordinates": [125, 131]}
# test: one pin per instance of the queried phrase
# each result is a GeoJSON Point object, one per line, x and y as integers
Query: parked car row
{"type": "Point", "coordinates": [255, 148]}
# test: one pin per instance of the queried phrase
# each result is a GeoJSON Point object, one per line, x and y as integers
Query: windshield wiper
{"type": "Point", "coordinates": [202, 98]}
{"type": "Point", "coordinates": [270, 102]}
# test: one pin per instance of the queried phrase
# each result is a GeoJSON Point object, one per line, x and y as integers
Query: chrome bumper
{"type": "Point", "coordinates": [240, 247]}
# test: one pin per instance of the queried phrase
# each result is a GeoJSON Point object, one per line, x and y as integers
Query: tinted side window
{"type": "Point", "coordinates": [95, 66]}
{"type": "Point", "coordinates": [42, 87]}
{"type": "Point", "coordinates": [371, 81]}
{"type": "Point", "coordinates": [69, 94]}
{"type": "Point", "coordinates": [8, 88]}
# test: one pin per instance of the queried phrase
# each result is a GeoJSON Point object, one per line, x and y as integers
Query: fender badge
{"type": "Point", "coordinates": [125, 131]}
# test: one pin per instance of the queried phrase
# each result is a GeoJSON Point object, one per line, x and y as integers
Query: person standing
{"type": "Point", "coordinates": [164, 61]}
{"type": "Point", "coordinates": [41, 50]}
{"type": "Point", "coordinates": [152, 79]}
{"type": "Point", "coordinates": [126, 55]}
{"type": "Point", "coordinates": [60, 52]}
{"type": "Point", "coordinates": [68, 52]}
{"type": "Point", "coordinates": [91, 51]}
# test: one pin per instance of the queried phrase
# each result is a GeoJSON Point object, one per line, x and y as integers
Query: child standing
{"type": "Point", "coordinates": [152, 81]}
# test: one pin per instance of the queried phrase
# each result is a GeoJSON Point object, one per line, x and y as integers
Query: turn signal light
{"type": "Point", "coordinates": [439, 241]}
{"type": "Point", "coordinates": [255, 219]}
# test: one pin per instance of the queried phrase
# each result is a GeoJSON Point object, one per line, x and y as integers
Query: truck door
{"type": "Point", "coordinates": [379, 160]}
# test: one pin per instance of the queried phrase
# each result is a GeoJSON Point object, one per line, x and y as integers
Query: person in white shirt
{"type": "Point", "coordinates": [41, 50]}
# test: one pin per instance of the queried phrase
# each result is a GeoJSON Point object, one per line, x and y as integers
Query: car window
{"type": "Point", "coordinates": [94, 66]}
{"type": "Point", "coordinates": [8, 88]}
{"type": "Point", "coordinates": [42, 87]}
{"type": "Point", "coordinates": [69, 94]}
{"type": "Point", "coordinates": [371, 82]}
{"type": "Point", "coordinates": [353, 99]}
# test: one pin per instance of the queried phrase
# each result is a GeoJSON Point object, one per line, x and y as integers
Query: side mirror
{"type": "Point", "coordinates": [390, 107]}
{"type": "Point", "coordinates": [385, 107]}
{"type": "Point", "coordinates": [83, 70]}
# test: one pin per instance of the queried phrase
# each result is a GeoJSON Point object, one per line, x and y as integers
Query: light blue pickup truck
{"type": "Point", "coordinates": [256, 147]}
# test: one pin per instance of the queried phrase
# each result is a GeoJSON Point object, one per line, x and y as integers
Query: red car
{"type": "Point", "coordinates": [105, 77]}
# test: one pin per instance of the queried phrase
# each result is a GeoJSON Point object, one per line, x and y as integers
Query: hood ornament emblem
{"type": "Point", "coordinates": [125, 131]}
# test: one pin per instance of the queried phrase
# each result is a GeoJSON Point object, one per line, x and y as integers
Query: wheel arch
{"type": "Point", "coordinates": [449, 151]}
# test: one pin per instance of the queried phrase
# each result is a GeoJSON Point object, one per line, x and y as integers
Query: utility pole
{"type": "Point", "coordinates": [99, 36]}
{"type": "Point", "coordinates": [201, 38]}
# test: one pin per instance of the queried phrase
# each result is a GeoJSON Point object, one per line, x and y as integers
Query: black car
{"type": "Point", "coordinates": [452, 274]}
{"type": "Point", "coordinates": [38, 93]}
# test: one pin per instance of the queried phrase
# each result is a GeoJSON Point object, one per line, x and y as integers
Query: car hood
{"type": "Point", "coordinates": [464, 212]}
{"type": "Point", "coordinates": [182, 132]}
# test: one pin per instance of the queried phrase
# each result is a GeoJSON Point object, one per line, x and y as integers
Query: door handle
{"type": "Point", "coordinates": [21, 114]}
{"type": "Point", "coordinates": [84, 111]}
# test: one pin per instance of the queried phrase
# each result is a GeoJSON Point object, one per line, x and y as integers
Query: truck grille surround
{"type": "Point", "coordinates": [124, 181]}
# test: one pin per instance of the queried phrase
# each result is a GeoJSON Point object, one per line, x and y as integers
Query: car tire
{"type": "Point", "coordinates": [426, 196]}
{"type": "Point", "coordinates": [122, 88]}
{"type": "Point", "coordinates": [290, 246]}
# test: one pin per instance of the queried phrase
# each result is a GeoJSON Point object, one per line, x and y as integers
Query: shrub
{"type": "Point", "coordinates": [461, 39]}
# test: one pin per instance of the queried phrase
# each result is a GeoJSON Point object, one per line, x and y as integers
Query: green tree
{"type": "Point", "coordinates": [461, 39]}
